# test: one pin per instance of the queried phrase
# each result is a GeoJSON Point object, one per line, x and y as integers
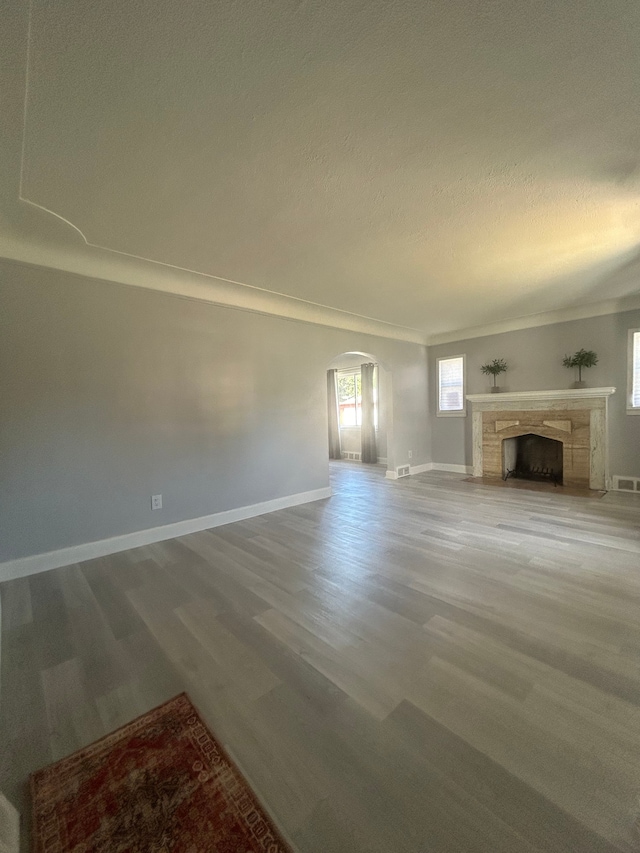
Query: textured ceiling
{"type": "Point", "coordinates": [436, 165]}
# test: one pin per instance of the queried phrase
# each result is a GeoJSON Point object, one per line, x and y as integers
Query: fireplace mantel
{"type": "Point", "coordinates": [518, 396]}
{"type": "Point", "coordinates": [577, 417]}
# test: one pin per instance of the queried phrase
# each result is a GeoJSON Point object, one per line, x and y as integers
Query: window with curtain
{"type": "Point", "coordinates": [451, 386]}
{"type": "Point", "coordinates": [633, 398]}
{"type": "Point", "coordinates": [349, 384]}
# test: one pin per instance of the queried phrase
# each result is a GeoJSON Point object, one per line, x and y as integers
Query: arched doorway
{"type": "Point", "coordinates": [347, 375]}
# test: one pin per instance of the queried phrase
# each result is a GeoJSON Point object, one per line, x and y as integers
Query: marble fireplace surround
{"type": "Point", "coordinates": [576, 417]}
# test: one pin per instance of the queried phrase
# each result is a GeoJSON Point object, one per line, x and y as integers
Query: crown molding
{"type": "Point", "coordinates": [39, 236]}
{"type": "Point", "coordinates": [531, 321]}
{"type": "Point", "coordinates": [108, 265]}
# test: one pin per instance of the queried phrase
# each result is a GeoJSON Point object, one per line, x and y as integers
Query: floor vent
{"type": "Point", "coordinates": [626, 484]}
{"type": "Point", "coordinates": [347, 454]}
{"type": "Point", "coordinates": [403, 471]}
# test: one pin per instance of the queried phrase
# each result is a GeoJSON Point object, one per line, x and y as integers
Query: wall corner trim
{"type": "Point", "coordinates": [12, 569]}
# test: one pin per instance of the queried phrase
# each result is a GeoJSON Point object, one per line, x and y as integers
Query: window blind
{"type": "Point", "coordinates": [451, 384]}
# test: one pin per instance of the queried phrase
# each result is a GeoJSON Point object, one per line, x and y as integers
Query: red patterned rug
{"type": "Point", "coordinates": [160, 784]}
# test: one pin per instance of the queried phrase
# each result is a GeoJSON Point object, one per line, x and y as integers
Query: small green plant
{"type": "Point", "coordinates": [494, 368]}
{"type": "Point", "coordinates": [580, 359]}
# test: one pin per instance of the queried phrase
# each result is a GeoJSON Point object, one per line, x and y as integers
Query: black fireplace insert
{"type": "Point", "coordinates": [532, 457]}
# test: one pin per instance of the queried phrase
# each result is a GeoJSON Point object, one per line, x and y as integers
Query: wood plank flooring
{"type": "Point", "coordinates": [422, 666]}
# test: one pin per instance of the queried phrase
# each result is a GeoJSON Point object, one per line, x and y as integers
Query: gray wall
{"type": "Point", "coordinates": [535, 357]}
{"type": "Point", "coordinates": [110, 394]}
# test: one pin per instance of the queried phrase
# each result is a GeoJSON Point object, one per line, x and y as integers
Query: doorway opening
{"type": "Point", "coordinates": [358, 387]}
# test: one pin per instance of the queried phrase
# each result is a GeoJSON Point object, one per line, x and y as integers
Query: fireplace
{"type": "Point", "coordinates": [532, 457]}
{"type": "Point", "coordinates": [509, 432]}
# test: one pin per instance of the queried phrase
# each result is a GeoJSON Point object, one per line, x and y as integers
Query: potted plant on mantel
{"type": "Point", "coordinates": [494, 368]}
{"type": "Point", "coordinates": [581, 359]}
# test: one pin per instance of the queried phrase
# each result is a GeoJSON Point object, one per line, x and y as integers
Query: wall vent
{"type": "Point", "coordinates": [347, 454]}
{"type": "Point", "coordinates": [627, 484]}
{"type": "Point", "coordinates": [403, 471]}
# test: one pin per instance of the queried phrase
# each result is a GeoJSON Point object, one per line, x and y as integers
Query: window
{"type": "Point", "coordinates": [451, 386]}
{"type": "Point", "coordinates": [633, 397]}
{"type": "Point", "coordinates": [350, 397]}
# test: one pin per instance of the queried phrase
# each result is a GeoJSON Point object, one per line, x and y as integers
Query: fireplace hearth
{"type": "Point", "coordinates": [532, 457]}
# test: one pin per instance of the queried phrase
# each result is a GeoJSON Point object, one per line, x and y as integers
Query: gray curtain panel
{"type": "Point", "coordinates": [369, 451]}
{"type": "Point", "coordinates": [334, 429]}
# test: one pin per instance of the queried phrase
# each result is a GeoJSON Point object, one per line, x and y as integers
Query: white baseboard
{"type": "Point", "coordinates": [434, 466]}
{"type": "Point", "coordinates": [398, 473]}
{"type": "Point", "coordinates": [413, 469]}
{"type": "Point", "coordinates": [619, 483]}
{"type": "Point", "coordinates": [453, 469]}
{"type": "Point", "coordinates": [90, 550]}
{"type": "Point", "coordinates": [420, 469]}
{"type": "Point", "coordinates": [351, 455]}
{"type": "Point", "coordinates": [356, 456]}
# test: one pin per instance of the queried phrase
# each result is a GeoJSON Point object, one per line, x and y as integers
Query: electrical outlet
{"type": "Point", "coordinates": [156, 501]}
{"type": "Point", "coordinates": [411, 454]}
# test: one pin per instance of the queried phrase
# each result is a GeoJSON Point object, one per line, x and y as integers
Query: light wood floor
{"type": "Point", "coordinates": [420, 665]}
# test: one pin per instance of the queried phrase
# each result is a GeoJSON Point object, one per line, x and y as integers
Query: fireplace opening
{"type": "Point", "coordinates": [532, 457]}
